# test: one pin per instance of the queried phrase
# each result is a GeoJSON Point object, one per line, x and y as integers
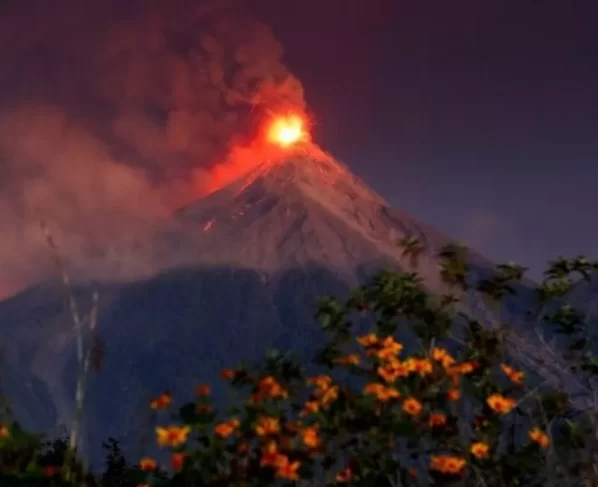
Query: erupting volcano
{"type": "Point", "coordinates": [251, 260]}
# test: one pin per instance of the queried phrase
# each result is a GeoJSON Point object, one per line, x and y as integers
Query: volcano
{"type": "Point", "coordinates": [251, 259]}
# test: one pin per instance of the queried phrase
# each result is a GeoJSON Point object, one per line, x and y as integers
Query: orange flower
{"type": "Point", "coordinates": [381, 392]}
{"type": "Point", "coordinates": [422, 366]}
{"type": "Point", "coordinates": [177, 461]}
{"type": "Point", "coordinates": [287, 470]}
{"type": "Point", "coordinates": [479, 449]}
{"type": "Point", "coordinates": [162, 401]}
{"type": "Point", "coordinates": [148, 464]}
{"type": "Point", "coordinates": [172, 435]}
{"type": "Point", "coordinates": [310, 437]}
{"type": "Point", "coordinates": [442, 356]}
{"type": "Point", "coordinates": [516, 377]}
{"type": "Point", "coordinates": [352, 359]}
{"type": "Point", "coordinates": [227, 428]}
{"type": "Point", "coordinates": [269, 387]}
{"type": "Point", "coordinates": [464, 368]}
{"type": "Point", "coordinates": [453, 394]}
{"type": "Point", "coordinates": [412, 406]}
{"type": "Point", "coordinates": [202, 390]}
{"type": "Point", "coordinates": [329, 395]}
{"type": "Point", "coordinates": [3, 431]}
{"type": "Point", "coordinates": [321, 381]}
{"type": "Point", "coordinates": [412, 472]}
{"type": "Point", "coordinates": [344, 475]}
{"type": "Point", "coordinates": [270, 455]}
{"type": "Point", "coordinates": [368, 340]}
{"type": "Point", "coordinates": [447, 464]}
{"type": "Point", "coordinates": [267, 426]}
{"type": "Point", "coordinates": [143, 485]}
{"type": "Point", "coordinates": [541, 438]}
{"type": "Point", "coordinates": [390, 371]}
{"type": "Point", "coordinates": [437, 419]}
{"type": "Point", "coordinates": [227, 374]}
{"type": "Point", "coordinates": [389, 348]}
{"type": "Point", "coordinates": [310, 407]}
{"type": "Point", "coordinates": [500, 403]}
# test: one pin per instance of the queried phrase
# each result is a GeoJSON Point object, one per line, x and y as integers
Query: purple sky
{"type": "Point", "coordinates": [480, 118]}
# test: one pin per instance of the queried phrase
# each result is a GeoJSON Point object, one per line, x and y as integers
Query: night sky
{"type": "Point", "coordinates": [477, 117]}
{"type": "Point", "coordinates": [480, 118]}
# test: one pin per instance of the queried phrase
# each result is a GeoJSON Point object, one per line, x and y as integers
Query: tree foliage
{"type": "Point", "coordinates": [430, 395]}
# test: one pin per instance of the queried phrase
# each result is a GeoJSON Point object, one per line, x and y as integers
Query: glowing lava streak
{"type": "Point", "coordinates": [286, 131]}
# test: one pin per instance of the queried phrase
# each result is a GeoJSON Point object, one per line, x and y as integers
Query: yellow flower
{"type": "Point", "coordinates": [541, 438]}
{"type": "Point", "coordinates": [479, 449]}
{"type": "Point", "coordinates": [368, 340]}
{"type": "Point", "coordinates": [226, 428]}
{"type": "Point", "coordinates": [447, 464]}
{"type": "Point", "coordinates": [310, 436]}
{"type": "Point", "coordinates": [172, 435]}
{"type": "Point", "coordinates": [267, 426]}
{"type": "Point", "coordinates": [516, 377]}
{"type": "Point", "coordinates": [437, 419]}
{"type": "Point", "coordinates": [412, 406]}
{"type": "Point", "coordinates": [500, 403]}
{"type": "Point", "coordinates": [352, 359]}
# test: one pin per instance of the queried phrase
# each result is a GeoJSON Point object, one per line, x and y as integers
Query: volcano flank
{"type": "Point", "coordinates": [251, 259]}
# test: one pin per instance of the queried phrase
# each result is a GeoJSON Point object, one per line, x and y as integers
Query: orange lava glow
{"type": "Point", "coordinates": [282, 134]}
{"type": "Point", "coordinates": [287, 130]}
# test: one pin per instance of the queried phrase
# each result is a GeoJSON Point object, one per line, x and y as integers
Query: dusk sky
{"type": "Point", "coordinates": [478, 118]}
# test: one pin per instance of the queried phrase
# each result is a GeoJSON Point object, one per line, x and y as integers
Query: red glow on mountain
{"type": "Point", "coordinates": [282, 135]}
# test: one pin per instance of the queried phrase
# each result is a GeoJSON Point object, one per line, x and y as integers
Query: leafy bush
{"type": "Point", "coordinates": [458, 406]}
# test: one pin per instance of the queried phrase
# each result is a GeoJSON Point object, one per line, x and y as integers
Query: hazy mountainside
{"type": "Point", "coordinates": [295, 213]}
{"type": "Point", "coordinates": [253, 257]}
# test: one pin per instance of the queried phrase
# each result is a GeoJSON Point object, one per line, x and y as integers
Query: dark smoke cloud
{"type": "Point", "coordinates": [114, 113]}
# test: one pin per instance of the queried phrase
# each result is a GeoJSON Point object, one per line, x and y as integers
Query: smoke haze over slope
{"type": "Point", "coordinates": [113, 114]}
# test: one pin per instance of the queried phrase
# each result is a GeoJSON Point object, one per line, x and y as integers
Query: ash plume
{"type": "Point", "coordinates": [112, 114]}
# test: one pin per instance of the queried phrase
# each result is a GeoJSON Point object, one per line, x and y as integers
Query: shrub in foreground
{"type": "Point", "coordinates": [452, 402]}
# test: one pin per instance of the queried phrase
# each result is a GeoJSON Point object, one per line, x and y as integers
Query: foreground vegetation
{"type": "Point", "coordinates": [430, 394]}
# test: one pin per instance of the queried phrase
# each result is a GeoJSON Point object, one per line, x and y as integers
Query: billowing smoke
{"type": "Point", "coordinates": [114, 113]}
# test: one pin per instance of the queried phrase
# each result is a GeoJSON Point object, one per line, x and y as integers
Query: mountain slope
{"type": "Point", "coordinates": [250, 261]}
